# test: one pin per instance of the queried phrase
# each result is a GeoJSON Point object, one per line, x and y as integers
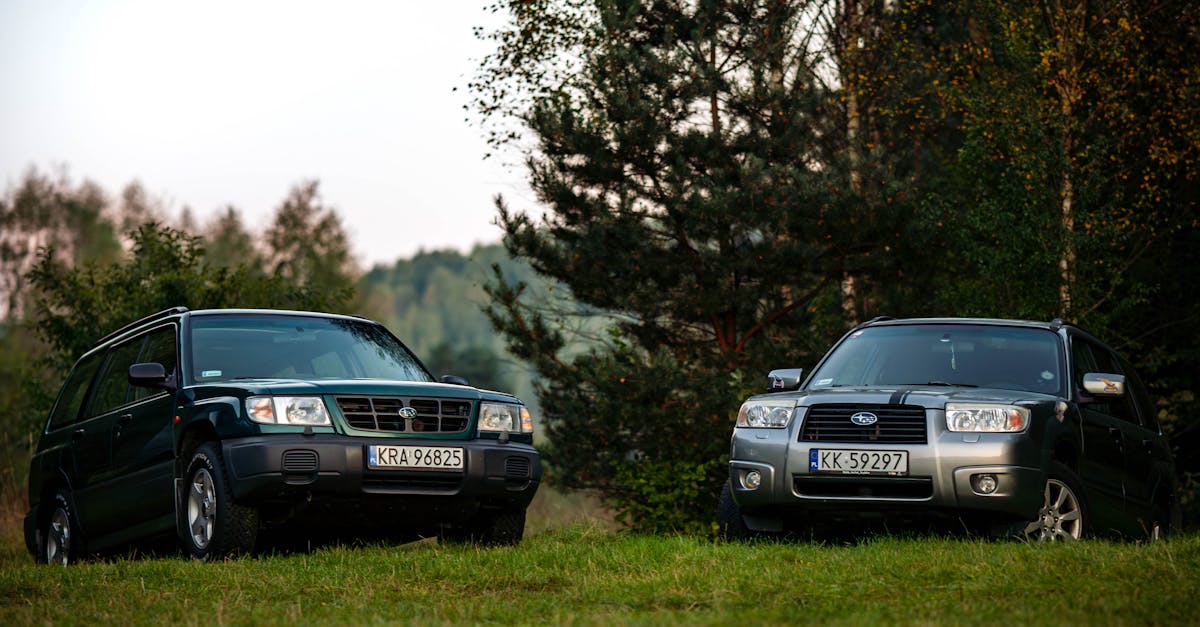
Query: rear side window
{"type": "Point", "coordinates": [70, 399]}
{"type": "Point", "coordinates": [112, 390]}
{"type": "Point", "coordinates": [1141, 396]}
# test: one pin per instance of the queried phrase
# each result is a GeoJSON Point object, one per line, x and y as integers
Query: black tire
{"type": "Point", "coordinates": [215, 526]}
{"type": "Point", "coordinates": [1064, 512]}
{"type": "Point", "coordinates": [729, 517]}
{"type": "Point", "coordinates": [503, 528]}
{"type": "Point", "coordinates": [59, 539]}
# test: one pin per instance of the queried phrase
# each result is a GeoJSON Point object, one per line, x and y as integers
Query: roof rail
{"type": "Point", "coordinates": [872, 321]}
{"type": "Point", "coordinates": [152, 317]}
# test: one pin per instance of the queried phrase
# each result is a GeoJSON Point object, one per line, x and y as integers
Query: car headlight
{"type": "Point", "coordinates": [288, 410]}
{"type": "Point", "coordinates": [986, 418]}
{"type": "Point", "coordinates": [772, 414]}
{"type": "Point", "coordinates": [500, 417]}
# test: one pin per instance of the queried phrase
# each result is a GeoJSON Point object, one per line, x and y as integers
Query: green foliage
{"type": "Point", "coordinates": [26, 389]}
{"type": "Point", "coordinates": [227, 243]}
{"type": "Point", "coordinates": [678, 165]}
{"type": "Point", "coordinates": [664, 496]}
{"type": "Point", "coordinates": [306, 243]}
{"type": "Point", "coordinates": [479, 365]}
{"type": "Point", "coordinates": [622, 415]}
{"type": "Point", "coordinates": [75, 306]}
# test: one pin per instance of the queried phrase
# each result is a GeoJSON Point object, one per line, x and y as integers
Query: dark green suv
{"type": "Point", "coordinates": [218, 424]}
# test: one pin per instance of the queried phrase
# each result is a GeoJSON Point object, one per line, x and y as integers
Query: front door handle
{"type": "Point", "coordinates": [77, 435]}
{"type": "Point", "coordinates": [125, 419]}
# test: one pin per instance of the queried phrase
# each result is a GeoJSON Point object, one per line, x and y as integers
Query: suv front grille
{"type": "Point", "coordinates": [382, 413]}
{"type": "Point", "coordinates": [897, 424]}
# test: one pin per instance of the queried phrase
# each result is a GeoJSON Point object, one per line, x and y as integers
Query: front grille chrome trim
{"type": "Point", "coordinates": [383, 414]}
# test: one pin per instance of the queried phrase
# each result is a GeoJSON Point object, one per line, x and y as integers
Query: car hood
{"type": "Point", "coordinates": [929, 397]}
{"type": "Point", "coordinates": [360, 387]}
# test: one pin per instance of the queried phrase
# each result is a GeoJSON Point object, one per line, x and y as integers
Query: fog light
{"type": "Point", "coordinates": [986, 484]}
{"type": "Point", "coordinates": [753, 480]}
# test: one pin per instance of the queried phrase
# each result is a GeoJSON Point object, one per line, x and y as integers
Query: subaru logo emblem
{"type": "Point", "coordinates": [864, 419]}
{"type": "Point", "coordinates": [408, 412]}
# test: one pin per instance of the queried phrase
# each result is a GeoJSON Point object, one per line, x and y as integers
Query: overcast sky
{"type": "Point", "coordinates": [220, 102]}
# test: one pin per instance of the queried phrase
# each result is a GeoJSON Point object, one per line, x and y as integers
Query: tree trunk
{"type": "Point", "coordinates": [1066, 262]}
{"type": "Point", "coordinates": [853, 29]}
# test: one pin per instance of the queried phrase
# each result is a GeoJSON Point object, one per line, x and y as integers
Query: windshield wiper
{"type": "Point", "coordinates": [951, 385]}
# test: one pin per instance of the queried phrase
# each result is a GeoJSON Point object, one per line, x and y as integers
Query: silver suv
{"type": "Point", "coordinates": [1004, 425]}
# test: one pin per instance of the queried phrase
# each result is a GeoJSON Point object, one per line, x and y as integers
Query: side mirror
{"type": "Point", "coordinates": [453, 380]}
{"type": "Point", "coordinates": [785, 379]}
{"type": "Point", "coordinates": [150, 375]}
{"type": "Point", "coordinates": [1104, 384]}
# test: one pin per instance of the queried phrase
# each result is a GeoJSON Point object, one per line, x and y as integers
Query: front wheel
{"type": "Point", "coordinates": [216, 525]}
{"type": "Point", "coordinates": [1063, 515]}
{"type": "Point", "coordinates": [729, 517]}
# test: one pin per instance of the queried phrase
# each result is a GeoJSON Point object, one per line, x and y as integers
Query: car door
{"type": "Point", "coordinates": [1146, 453]}
{"type": "Point", "coordinates": [143, 457]}
{"type": "Point", "coordinates": [1102, 459]}
{"type": "Point", "coordinates": [105, 412]}
{"type": "Point", "coordinates": [56, 455]}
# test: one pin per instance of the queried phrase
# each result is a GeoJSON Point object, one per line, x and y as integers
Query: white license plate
{"type": "Point", "coordinates": [416, 457]}
{"type": "Point", "coordinates": [858, 462]}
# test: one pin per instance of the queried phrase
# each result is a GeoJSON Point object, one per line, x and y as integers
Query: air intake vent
{"type": "Point", "coordinates": [300, 462]}
{"type": "Point", "coordinates": [516, 467]}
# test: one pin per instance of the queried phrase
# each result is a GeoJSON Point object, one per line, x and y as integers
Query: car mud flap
{"type": "Point", "coordinates": [180, 523]}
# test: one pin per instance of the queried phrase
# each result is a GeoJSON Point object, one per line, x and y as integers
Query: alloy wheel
{"type": "Point", "coordinates": [201, 508]}
{"type": "Point", "coordinates": [58, 538]}
{"type": "Point", "coordinates": [1060, 518]}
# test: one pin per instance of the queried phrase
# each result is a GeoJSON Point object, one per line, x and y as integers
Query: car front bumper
{"type": "Point", "coordinates": [942, 478]}
{"type": "Point", "coordinates": [334, 467]}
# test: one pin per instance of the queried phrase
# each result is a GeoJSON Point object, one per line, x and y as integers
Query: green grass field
{"type": "Point", "coordinates": [586, 573]}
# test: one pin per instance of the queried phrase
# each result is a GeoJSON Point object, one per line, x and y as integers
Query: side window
{"type": "Point", "coordinates": [112, 389]}
{"type": "Point", "coordinates": [160, 349]}
{"type": "Point", "coordinates": [1089, 357]}
{"type": "Point", "coordinates": [66, 410]}
{"type": "Point", "coordinates": [1082, 361]}
{"type": "Point", "coordinates": [1141, 396]}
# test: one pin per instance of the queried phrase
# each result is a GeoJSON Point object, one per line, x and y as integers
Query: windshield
{"type": "Point", "coordinates": [1010, 358]}
{"type": "Point", "coordinates": [297, 347]}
